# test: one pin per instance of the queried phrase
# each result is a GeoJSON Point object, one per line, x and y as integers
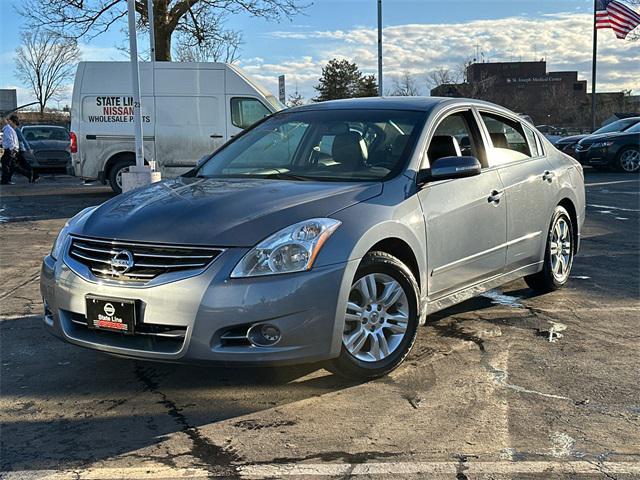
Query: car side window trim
{"type": "Point", "coordinates": [541, 150]}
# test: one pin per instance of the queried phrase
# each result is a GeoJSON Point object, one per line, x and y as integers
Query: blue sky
{"type": "Point", "coordinates": [420, 35]}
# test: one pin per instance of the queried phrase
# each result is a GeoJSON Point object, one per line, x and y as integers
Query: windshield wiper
{"type": "Point", "coordinates": [288, 176]}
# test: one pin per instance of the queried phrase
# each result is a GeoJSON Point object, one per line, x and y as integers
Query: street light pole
{"type": "Point", "coordinates": [380, 48]}
{"type": "Point", "coordinates": [135, 79]}
{"type": "Point", "coordinates": [139, 174]}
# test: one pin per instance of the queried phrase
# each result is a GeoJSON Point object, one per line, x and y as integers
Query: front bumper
{"type": "Point", "coordinates": [307, 307]}
{"type": "Point", "coordinates": [594, 156]}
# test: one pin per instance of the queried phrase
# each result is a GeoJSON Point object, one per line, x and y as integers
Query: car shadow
{"type": "Point", "coordinates": [67, 406]}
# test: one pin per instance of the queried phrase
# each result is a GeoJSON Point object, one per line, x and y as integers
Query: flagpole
{"type": "Point", "coordinates": [593, 68]}
{"type": "Point", "coordinates": [380, 92]}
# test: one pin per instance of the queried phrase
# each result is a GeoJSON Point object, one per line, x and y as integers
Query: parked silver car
{"type": "Point", "coordinates": [324, 233]}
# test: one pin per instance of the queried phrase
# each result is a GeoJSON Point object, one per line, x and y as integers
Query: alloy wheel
{"type": "Point", "coordinates": [561, 249]}
{"type": "Point", "coordinates": [377, 317]}
{"type": "Point", "coordinates": [630, 160]}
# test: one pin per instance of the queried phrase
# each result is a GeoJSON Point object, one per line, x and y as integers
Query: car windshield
{"type": "Point", "coordinates": [634, 129]}
{"type": "Point", "coordinates": [45, 133]}
{"type": "Point", "coordinates": [332, 145]}
{"type": "Point", "coordinates": [617, 126]}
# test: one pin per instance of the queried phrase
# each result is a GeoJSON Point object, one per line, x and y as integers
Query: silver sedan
{"type": "Point", "coordinates": [324, 233]}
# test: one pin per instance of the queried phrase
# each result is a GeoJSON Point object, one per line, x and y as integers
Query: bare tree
{"type": "Point", "coordinates": [634, 35]}
{"type": "Point", "coordinates": [405, 86]}
{"type": "Point", "coordinates": [441, 76]}
{"type": "Point", "coordinates": [295, 99]}
{"type": "Point", "coordinates": [193, 18]}
{"type": "Point", "coordinates": [45, 62]}
{"type": "Point", "coordinates": [223, 47]}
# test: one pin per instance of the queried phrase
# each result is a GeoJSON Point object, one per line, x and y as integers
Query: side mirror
{"type": "Point", "coordinates": [446, 168]}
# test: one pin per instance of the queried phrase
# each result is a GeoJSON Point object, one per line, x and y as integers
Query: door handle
{"type": "Point", "coordinates": [548, 176]}
{"type": "Point", "coordinates": [215, 135]}
{"type": "Point", "coordinates": [495, 196]}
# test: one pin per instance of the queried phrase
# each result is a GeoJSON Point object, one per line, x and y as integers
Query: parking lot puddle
{"type": "Point", "coordinates": [498, 298]}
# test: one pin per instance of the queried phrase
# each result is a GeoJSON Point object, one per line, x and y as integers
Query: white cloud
{"type": "Point", "coordinates": [93, 53]}
{"type": "Point", "coordinates": [564, 39]}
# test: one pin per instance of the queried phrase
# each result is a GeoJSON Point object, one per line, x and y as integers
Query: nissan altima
{"type": "Point", "coordinates": [326, 232]}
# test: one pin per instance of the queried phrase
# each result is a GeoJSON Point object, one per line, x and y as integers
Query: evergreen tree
{"type": "Point", "coordinates": [368, 86]}
{"type": "Point", "coordinates": [343, 79]}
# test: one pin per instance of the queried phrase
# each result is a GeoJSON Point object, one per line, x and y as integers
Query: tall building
{"type": "Point", "coordinates": [555, 98]}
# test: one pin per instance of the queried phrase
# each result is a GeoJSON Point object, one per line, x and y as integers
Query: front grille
{"type": "Point", "coordinates": [147, 337]}
{"type": "Point", "coordinates": [147, 261]}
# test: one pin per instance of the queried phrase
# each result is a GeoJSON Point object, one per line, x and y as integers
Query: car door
{"type": "Point", "coordinates": [465, 218]}
{"type": "Point", "coordinates": [529, 183]}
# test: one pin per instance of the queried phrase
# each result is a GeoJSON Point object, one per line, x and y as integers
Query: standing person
{"type": "Point", "coordinates": [11, 147]}
{"type": "Point", "coordinates": [22, 165]}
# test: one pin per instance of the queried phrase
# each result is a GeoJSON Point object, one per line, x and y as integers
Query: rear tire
{"type": "Point", "coordinates": [381, 321]}
{"type": "Point", "coordinates": [115, 174]}
{"type": "Point", "coordinates": [558, 257]}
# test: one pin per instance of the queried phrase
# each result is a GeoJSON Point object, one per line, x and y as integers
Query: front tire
{"type": "Point", "coordinates": [558, 257]}
{"type": "Point", "coordinates": [628, 160]}
{"type": "Point", "coordinates": [381, 321]}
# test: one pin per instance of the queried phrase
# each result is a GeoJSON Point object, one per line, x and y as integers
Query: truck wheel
{"type": "Point", "coordinates": [115, 174]}
{"type": "Point", "coordinates": [381, 319]}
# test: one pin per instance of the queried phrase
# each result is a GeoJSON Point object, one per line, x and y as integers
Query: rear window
{"type": "Point", "coordinates": [34, 134]}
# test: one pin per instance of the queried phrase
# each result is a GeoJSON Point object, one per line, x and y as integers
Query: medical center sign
{"type": "Point", "coordinates": [112, 109]}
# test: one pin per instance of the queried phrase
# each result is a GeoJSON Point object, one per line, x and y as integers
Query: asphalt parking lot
{"type": "Point", "coordinates": [483, 395]}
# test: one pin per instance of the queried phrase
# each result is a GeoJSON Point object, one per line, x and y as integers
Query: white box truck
{"type": "Point", "coordinates": [188, 110]}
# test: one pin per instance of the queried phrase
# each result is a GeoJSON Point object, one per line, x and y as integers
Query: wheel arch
{"type": "Point", "coordinates": [116, 157]}
{"type": "Point", "coordinates": [568, 205]}
{"type": "Point", "coordinates": [402, 251]}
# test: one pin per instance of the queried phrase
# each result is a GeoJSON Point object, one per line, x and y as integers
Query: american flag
{"type": "Point", "coordinates": [617, 16]}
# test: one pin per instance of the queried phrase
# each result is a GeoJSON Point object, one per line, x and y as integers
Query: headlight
{"type": "Point", "coordinates": [292, 249]}
{"type": "Point", "coordinates": [601, 144]}
{"type": "Point", "coordinates": [58, 245]}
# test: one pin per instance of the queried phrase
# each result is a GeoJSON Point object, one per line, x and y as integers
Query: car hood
{"type": "Point", "coordinates": [218, 212]}
{"type": "Point", "coordinates": [570, 139]}
{"type": "Point", "coordinates": [49, 145]}
{"type": "Point", "coordinates": [600, 137]}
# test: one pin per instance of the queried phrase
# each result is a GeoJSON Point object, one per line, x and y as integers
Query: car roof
{"type": "Point", "coordinates": [424, 104]}
{"type": "Point", "coordinates": [35, 125]}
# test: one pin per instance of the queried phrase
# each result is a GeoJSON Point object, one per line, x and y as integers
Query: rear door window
{"type": "Point", "coordinates": [508, 139]}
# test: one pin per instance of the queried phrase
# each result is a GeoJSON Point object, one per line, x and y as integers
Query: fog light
{"type": "Point", "coordinates": [264, 335]}
{"type": "Point", "coordinates": [48, 315]}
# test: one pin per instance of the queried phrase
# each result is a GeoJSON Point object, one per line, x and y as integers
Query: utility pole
{"type": "Point", "coordinates": [380, 48]}
{"type": "Point", "coordinates": [139, 174]}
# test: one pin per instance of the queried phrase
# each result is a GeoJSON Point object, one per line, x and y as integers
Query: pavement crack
{"type": "Point", "coordinates": [19, 286]}
{"type": "Point", "coordinates": [217, 459]}
{"type": "Point", "coordinates": [462, 467]}
{"type": "Point", "coordinates": [601, 469]}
